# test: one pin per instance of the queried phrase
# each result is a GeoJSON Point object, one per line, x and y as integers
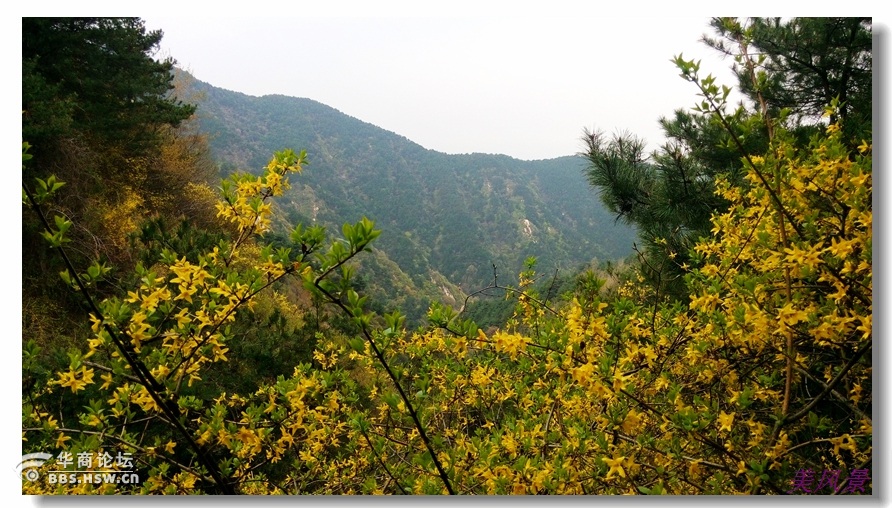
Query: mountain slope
{"type": "Point", "coordinates": [445, 218]}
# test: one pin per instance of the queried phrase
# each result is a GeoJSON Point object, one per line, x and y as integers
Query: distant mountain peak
{"type": "Point", "coordinates": [449, 215]}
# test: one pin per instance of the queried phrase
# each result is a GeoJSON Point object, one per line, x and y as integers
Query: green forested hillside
{"type": "Point", "coordinates": [442, 216]}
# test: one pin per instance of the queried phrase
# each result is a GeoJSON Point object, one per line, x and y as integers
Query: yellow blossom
{"type": "Point", "coordinates": [725, 421]}
{"type": "Point", "coordinates": [616, 466]}
{"type": "Point", "coordinates": [631, 422]}
{"type": "Point", "coordinates": [60, 441]}
{"type": "Point", "coordinates": [107, 377]}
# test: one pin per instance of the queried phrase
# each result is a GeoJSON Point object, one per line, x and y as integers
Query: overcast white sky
{"type": "Point", "coordinates": [521, 85]}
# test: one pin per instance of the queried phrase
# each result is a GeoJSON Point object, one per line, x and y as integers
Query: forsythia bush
{"type": "Point", "coordinates": [763, 376]}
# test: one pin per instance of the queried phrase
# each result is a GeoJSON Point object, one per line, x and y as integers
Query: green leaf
{"type": "Point", "coordinates": [357, 344]}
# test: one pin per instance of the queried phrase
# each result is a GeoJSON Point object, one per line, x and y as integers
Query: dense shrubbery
{"type": "Point", "coordinates": [764, 373]}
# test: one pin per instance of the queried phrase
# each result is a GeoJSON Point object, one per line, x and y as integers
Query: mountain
{"type": "Point", "coordinates": [446, 219]}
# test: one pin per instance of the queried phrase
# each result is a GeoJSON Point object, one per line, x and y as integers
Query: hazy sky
{"type": "Point", "coordinates": [520, 85]}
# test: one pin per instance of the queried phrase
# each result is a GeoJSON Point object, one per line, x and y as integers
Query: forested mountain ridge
{"type": "Point", "coordinates": [442, 215]}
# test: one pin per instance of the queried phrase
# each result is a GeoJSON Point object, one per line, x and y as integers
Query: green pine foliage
{"type": "Point", "coordinates": [97, 77]}
{"type": "Point", "coordinates": [669, 195]}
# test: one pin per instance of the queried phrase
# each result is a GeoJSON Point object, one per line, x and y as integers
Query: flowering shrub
{"type": "Point", "coordinates": [763, 374]}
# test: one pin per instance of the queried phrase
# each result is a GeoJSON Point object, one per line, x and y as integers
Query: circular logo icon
{"type": "Point", "coordinates": [32, 475]}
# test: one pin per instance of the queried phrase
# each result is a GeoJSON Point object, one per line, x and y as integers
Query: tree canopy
{"type": "Point", "coordinates": [789, 71]}
{"type": "Point", "coordinates": [98, 77]}
{"type": "Point", "coordinates": [808, 63]}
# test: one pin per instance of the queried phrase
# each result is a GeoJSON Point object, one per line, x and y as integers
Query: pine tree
{"type": "Point", "coordinates": [805, 65]}
{"type": "Point", "coordinates": [808, 63]}
{"type": "Point", "coordinates": [95, 77]}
